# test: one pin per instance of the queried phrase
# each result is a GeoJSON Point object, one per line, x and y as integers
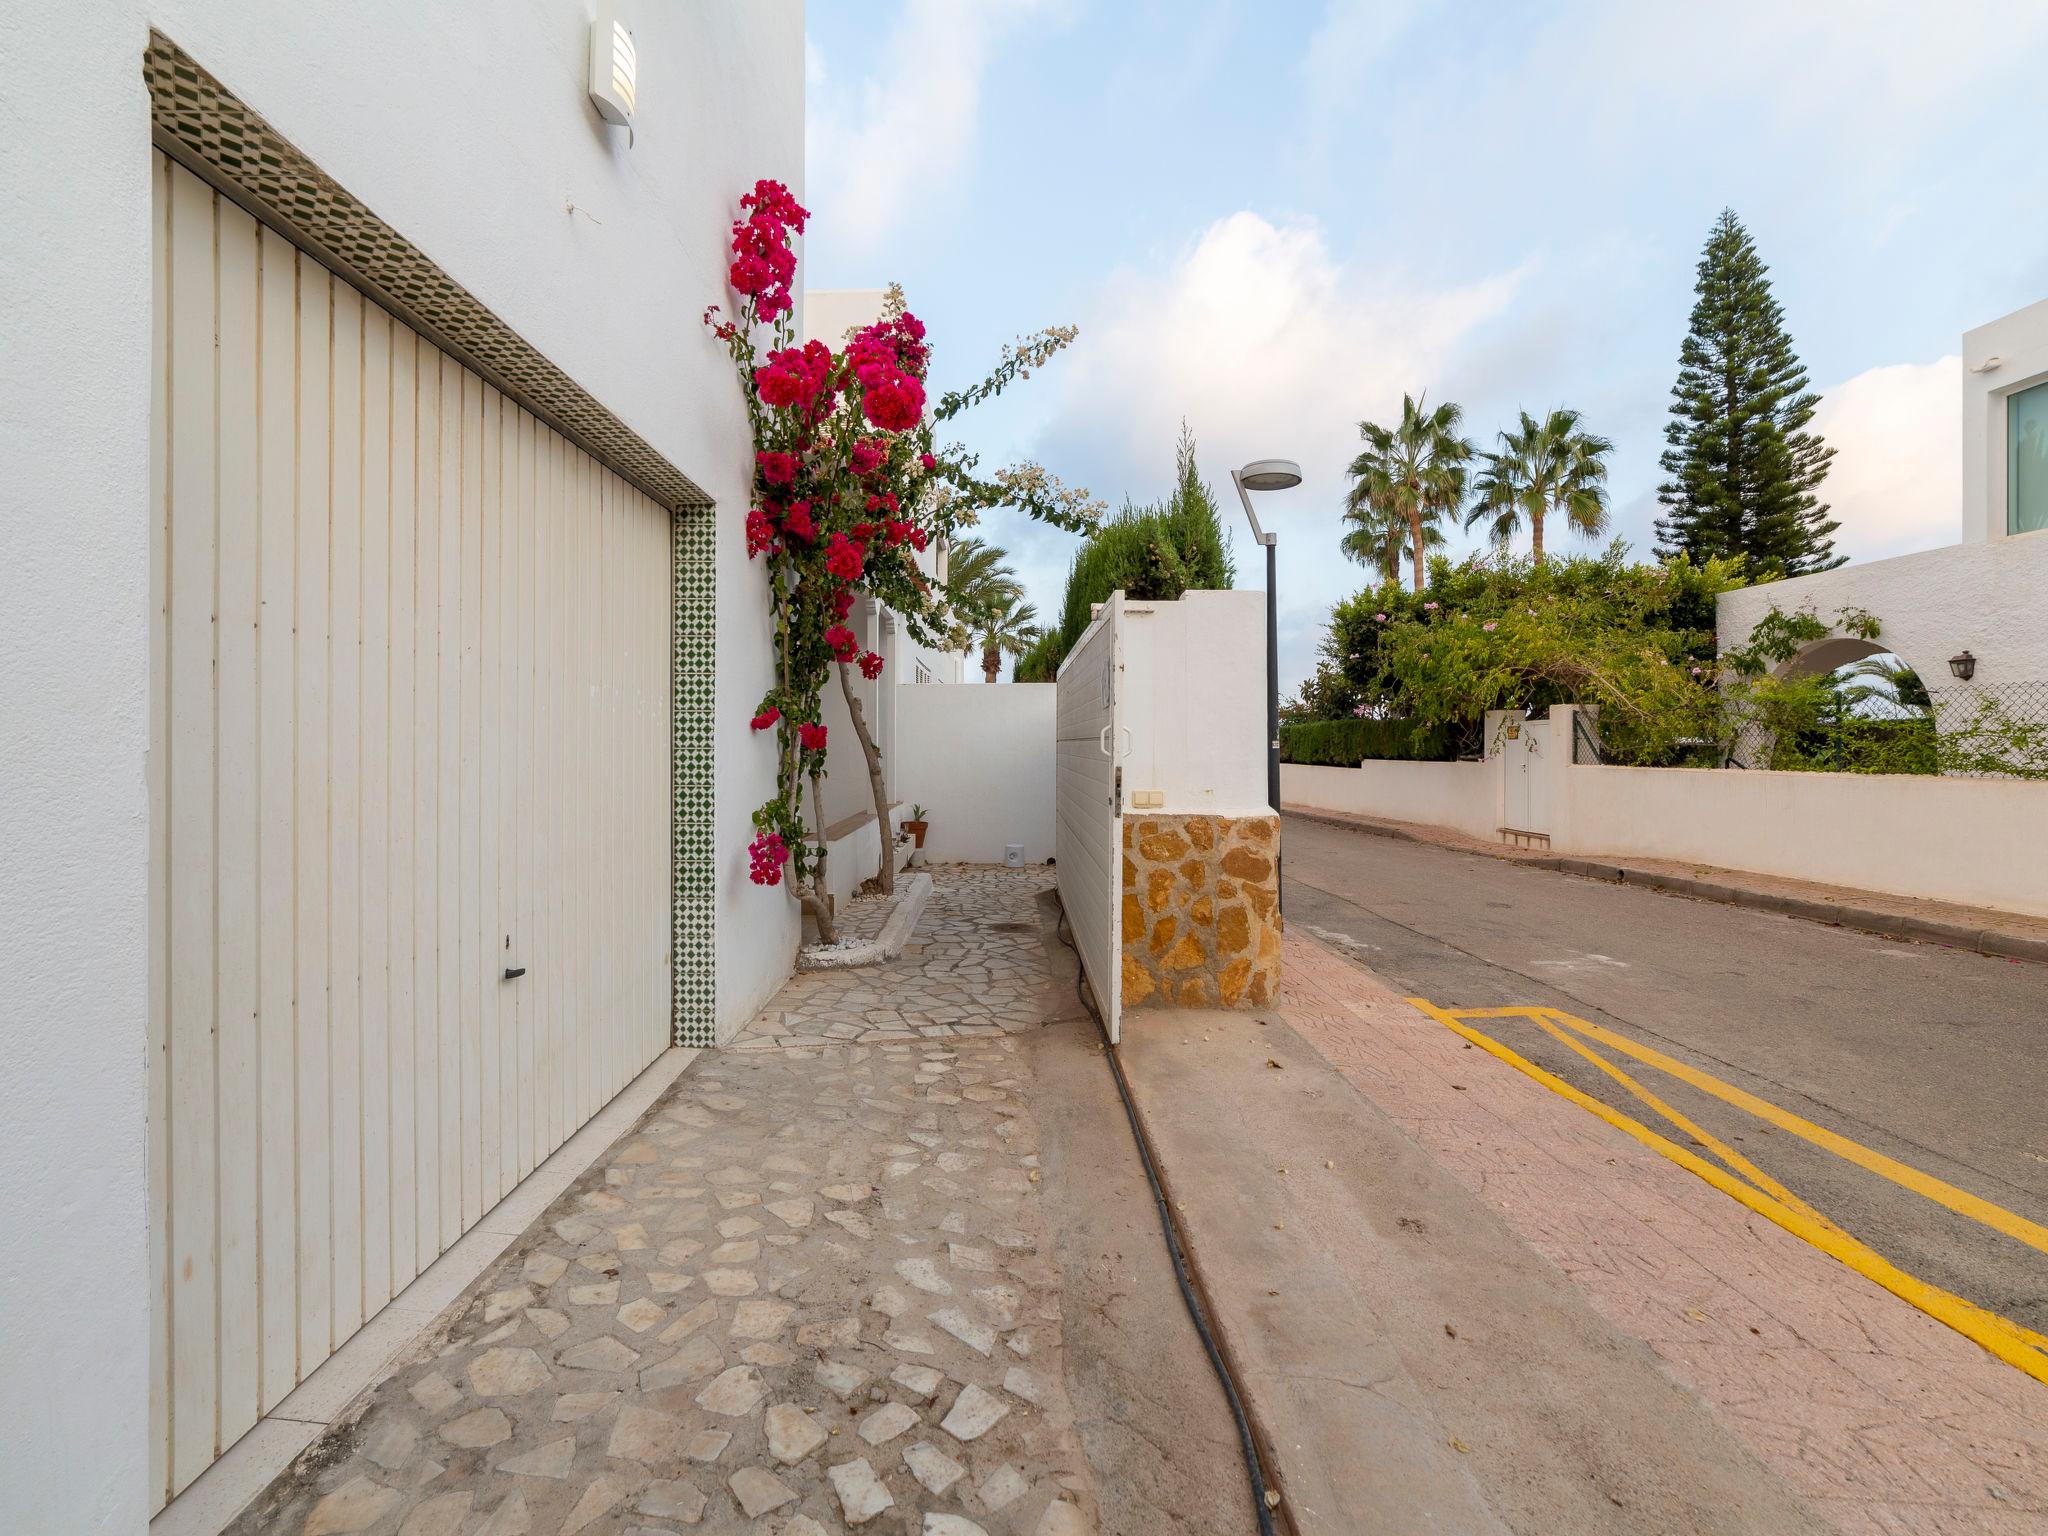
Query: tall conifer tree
{"type": "Point", "coordinates": [1744, 471]}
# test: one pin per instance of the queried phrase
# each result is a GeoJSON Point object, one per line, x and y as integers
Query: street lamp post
{"type": "Point", "coordinates": [1269, 475]}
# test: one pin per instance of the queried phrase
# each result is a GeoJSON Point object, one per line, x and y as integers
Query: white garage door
{"type": "Point", "coordinates": [410, 730]}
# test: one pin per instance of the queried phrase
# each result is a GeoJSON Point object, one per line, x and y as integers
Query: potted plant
{"type": "Point", "coordinates": [915, 824]}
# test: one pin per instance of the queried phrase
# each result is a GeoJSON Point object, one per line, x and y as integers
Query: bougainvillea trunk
{"type": "Point", "coordinates": [885, 871]}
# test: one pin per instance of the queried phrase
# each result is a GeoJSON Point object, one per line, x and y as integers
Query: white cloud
{"type": "Point", "coordinates": [1896, 482]}
{"type": "Point", "coordinates": [908, 127]}
{"type": "Point", "coordinates": [1269, 346]}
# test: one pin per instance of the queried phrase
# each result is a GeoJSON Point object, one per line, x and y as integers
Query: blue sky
{"type": "Point", "coordinates": [1271, 219]}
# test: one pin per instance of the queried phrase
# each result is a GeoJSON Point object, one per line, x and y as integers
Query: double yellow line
{"type": "Point", "coordinates": [1742, 1180]}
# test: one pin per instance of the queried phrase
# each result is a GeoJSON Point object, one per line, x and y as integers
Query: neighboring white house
{"type": "Point", "coordinates": [1987, 594]}
{"type": "Point", "coordinates": [376, 626]}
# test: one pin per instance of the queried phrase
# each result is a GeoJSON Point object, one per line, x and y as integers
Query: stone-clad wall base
{"type": "Point", "coordinates": [1201, 914]}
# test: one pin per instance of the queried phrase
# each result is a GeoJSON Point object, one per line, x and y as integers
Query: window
{"type": "Point", "coordinates": [924, 673]}
{"type": "Point", "coordinates": [2026, 460]}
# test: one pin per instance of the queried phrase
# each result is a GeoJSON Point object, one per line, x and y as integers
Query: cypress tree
{"type": "Point", "coordinates": [1744, 473]}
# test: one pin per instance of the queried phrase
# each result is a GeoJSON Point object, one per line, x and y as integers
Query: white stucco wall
{"type": "Point", "coordinates": [1195, 703]}
{"type": "Point", "coordinates": [1980, 842]}
{"type": "Point", "coordinates": [466, 129]}
{"type": "Point", "coordinates": [2019, 341]}
{"type": "Point", "coordinates": [1465, 796]}
{"type": "Point", "coordinates": [981, 763]}
{"type": "Point", "coordinates": [1989, 597]}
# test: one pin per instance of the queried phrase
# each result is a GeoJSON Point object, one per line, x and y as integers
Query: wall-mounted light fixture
{"type": "Point", "coordinates": [614, 68]}
{"type": "Point", "coordinates": [1963, 664]}
{"type": "Point", "coordinates": [1989, 365]}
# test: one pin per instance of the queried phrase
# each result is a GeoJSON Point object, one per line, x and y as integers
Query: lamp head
{"type": "Point", "coordinates": [1270, 475]}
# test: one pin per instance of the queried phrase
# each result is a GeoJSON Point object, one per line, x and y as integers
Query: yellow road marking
{"type": "Point", "coordinates": [2019, 1347]}
{"type": "Point", "coordinates": [1961, 1201]}
{"type": "Point", "coordinates": [1700, 1133]}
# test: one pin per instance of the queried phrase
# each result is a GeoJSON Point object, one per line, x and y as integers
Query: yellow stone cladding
{"type": "Point", "coordinates": [1201, 914]}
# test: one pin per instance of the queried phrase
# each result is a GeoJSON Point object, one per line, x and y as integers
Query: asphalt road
{"type": "Point", "coordinates": [1935, 1057]}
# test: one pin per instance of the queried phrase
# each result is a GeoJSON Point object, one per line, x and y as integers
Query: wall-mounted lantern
{"type": "Point", "coordinates": [1963, 664]}
{"type": "Point", "coordinates": [614, 68]}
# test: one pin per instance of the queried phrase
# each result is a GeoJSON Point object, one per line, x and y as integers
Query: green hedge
{"type": "Point", "coordinates": [1347, 743]}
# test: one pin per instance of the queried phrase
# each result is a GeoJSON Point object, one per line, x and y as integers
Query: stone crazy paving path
{"type": "Point", "coordinates": [808, 1293]}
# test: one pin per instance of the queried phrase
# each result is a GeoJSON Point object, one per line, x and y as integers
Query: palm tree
{"type": "Point", "coordinates": [1544, 467]}
{"type": "Point", "coordinates": [1413, 473]}
{"type": "Point", "coordinates": [1010, 628]}
{"type": "Point", "coordinates": [988, 601]}
{"type": "Point", "coordinates": [1378, 539]}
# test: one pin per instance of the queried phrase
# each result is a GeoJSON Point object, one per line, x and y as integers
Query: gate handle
{"type": "Point", "coordinates": [514, 972]}
{"type": "Point", "coordinates": [1102, 741]}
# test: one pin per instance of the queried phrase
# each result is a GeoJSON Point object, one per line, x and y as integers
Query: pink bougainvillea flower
{"type": "Point", "coordinates": [796, 376]}
{"type": "Point", "coordinates": [927, 461]}
{"type": "Point", "coordinates": [842, 643]}
{"type": "Point", "coordinates": [867, 455]}
{"type": "Point", "coordinates": [812, 736]}
{"type": "Point", "coordinates": [842, 602]}
{"type": "Point", "coordinates": [899, 532]}
{"type": "Point", "coordinates": [895, 402]}
{"type": "Point", "coordinates": [871, 666]}
{"type": "Point", "coordinates": [760, 533]}
{"type": "Point", "coordinates": [776, 468]}
{"type": "Point", "coordinates": [843, 558]}
{"type": "Point", "coordinates": [765, 857]}
{"type": "Point", "coordinates": [768, 716]}
{"type": "Point", "coordinates": [797, 524]}
{"type": "Point", "coordinates": [917, 539]}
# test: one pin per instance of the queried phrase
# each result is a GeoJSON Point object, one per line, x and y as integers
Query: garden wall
{"type": "Point", "coordinates": [1461, 795]}
{"type": "Point", "coordinates": [980, 760]}
{"type": "Point", "coordinates": [1981, 842]}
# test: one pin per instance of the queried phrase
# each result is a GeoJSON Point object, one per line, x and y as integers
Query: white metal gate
{"type": "Point", "coordinates": [409, 732]}
{"type": "Point", "coordinates": [1089, 800]}
{"type": "Point", "coordinates": [1525, 790]}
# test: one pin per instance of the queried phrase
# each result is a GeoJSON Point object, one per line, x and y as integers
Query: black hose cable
{"type": "Point", "coordinates": [1262, 1502]}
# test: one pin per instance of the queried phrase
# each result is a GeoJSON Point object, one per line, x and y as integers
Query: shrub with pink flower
{"type": "Point", "coordinates": [849, 489]}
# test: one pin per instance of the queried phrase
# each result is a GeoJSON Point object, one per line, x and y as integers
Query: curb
{"type": "Point", "coordinates": [885, 946]}
{"type": "Point", "coordinates": [1889, 925]}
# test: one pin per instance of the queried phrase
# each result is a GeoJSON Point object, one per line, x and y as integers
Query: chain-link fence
{"type": "Point", "coordinates": [1969, 730]}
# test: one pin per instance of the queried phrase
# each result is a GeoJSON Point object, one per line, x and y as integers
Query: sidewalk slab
{"type": "Point", "coordinates": [1411, 1363]}
{"type": "Point", "coordinates": [2008, 935]}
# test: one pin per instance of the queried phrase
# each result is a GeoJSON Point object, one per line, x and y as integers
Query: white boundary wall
{"type": "Point", "coordinates": [1464, 796]}
{"type": "Point", "coordinates": [981, 761]}
{"type": "Point", "coordinates": [1981, 842]}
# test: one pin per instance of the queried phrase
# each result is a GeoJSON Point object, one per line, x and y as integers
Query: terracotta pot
{"type": "Point", "coordinates": [916, 829]}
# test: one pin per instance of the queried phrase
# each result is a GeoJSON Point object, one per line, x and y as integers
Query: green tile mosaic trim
{"type": "Point", "coordinates": [200, 123]}
{"type": "Point", "coordinates": [693, 814]}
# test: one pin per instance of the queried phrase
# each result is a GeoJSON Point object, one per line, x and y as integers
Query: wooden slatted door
{"type": "Point", "coordinates": [410, 728]}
